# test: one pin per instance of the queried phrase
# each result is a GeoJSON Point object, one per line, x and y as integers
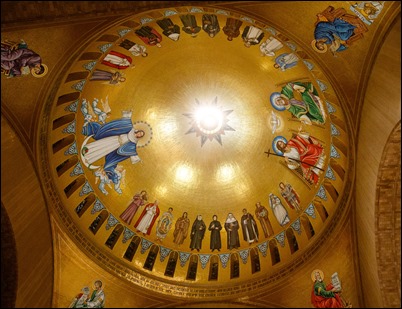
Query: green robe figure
{"type": "Point", "coordinates": [302, 101]}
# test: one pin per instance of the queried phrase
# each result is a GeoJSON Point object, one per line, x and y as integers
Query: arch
{"type": "Point", "coordinates": [114, 236]}
{"type": "Point", "coordinates": [387, 220]}
{"type": "Point", "coordinates": [307, 226]}
{"type": "Point", "coordinates": [57, 123]}
{"type": "Point", "coordinates": [108, 38]}
{"type": "Point", "coordinates": [90, 56]}
{"type": "Point", "coordinates": [331, 190]}
{"type": "Point", "coordinates": [69, 97]}
{"type": "Point", "coordinates": [74, 185]}
{"type": "Point", "coordinates": [61, 143]}
{"type": "Point", "coordinates": [213, 268]}
{"type": "Point", "coordinates": [292, 241]}
{"type": "Point", "coordinates": [171, 264]}
{"type": "Point", "coordinates": [322, 211]}
{"type": "Point", "coordinates": [84, 205]}
{"type": "Point", "coordinates": [255, 260]}
{"type": "Point", "coordinates": [66, 165]}
{"type": "Point", "coordinates": [273, 249]}
{"type": "Point", "coordinates": [340, 145]}
{"type": "Point", "coordinates": [98, 221]}
{"type": "Point", "coordinates": [234, 266]}
{"type": "Point", "coordinates": [76, 76]}
{"type": "Point", "coordinates": [337, 168]}
{"type": "Point", "coordinates": [132, 248]}
{"type": "Point", "coordinates": [192, 268]}
{"type": "Point", "coordinates": [151, 258]}
{"type": "Point", "coordinates": [9, 271]}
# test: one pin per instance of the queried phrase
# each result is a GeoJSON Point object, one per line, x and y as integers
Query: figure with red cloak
{"type": "Point", "coordinates": [147, 218]}
{"type": "Point", "coordinates": [117, 60]}
{"type": "Point", "coordinates": [305, 151]}
{"type": "Point", "coordinates": [325, 296]}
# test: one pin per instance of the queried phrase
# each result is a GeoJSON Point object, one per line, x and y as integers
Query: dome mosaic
{"type": "Point", "coordinates": [178, 124]}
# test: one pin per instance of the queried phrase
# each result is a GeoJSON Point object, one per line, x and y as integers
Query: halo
{"type": "Point", "coordinates": [93, 284]}
{"type": "Point", "coordinates": [313, 274]}
{"type": "Point", "coordinates": [146, 127]}
{"type": "Point", "coordinates": [272, 98]}
{"type": "Point", "coordinates": [313, 42]}
{"type": "Point", "coordinates": [45, 70]}
{"type": "Point", "coordinates": [277, 139]}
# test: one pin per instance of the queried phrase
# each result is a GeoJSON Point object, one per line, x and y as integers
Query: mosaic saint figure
{"type": "Point", "coordinates": [117, 60]}
{"type": "Point", "coordinates": [197, 233]}
{"type": "Point", "coordinates": [210, 24]}
{"type": "Point", "coordinates": [134, 48]}
{"type": "Point", "coordinates": [171, 30]}
{"type": "Point", "coordinates": [181, 229]}
{"type": "Point", "coordinates": [270, 46]}
{"type": "Point", "coordinates": [18, 60]}
{"type": "Point", "coordinates": [306, 152]}
{"type": "Point", "coordinates": [232, 228]}
{"type": "Point", "coordinates": [252, 35]}
{"type": "Point", "coordinates": [337, 29]}
{"type": "Point", "coordinates": [215, 227]}
{"type": "Point", "coordinates": [149, 36]}
{"type": "Point", "coordinates": [164, 224]}
{"type": "Point", "coordinates": [113, 78]}
{"type": "Point", "coordinates": [261, 213]}
{"type": "Point", "coordinates": [286, 61]}
{"type": "Point", "coordinates": [290, 195]}
{"type": "Point", "coordinates": [147, 218]}
{"type": "Point", "coordinates": [302, 101]}
{"type": "Point", "coordinates": [80, 300]}
{"type": "Point", "coordinates": [280, 212]}
{"type": "Point", "coordinates": [249, 227]}
{"type": "Point", "coordinates": [190, 24]}
{"type": "Point", "coordinates": [326, 296]}
{"type": "Point", "coordinates": [97, 299]}
{"type": "Point", "coordinates": [139, 199]}
{"type": "Point", "coordinates": [232, 28]}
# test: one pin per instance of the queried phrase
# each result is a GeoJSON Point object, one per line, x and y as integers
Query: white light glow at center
{"type": "Point", "coordinates": [209, 119]}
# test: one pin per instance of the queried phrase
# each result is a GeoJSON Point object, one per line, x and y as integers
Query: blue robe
{"type": "Point", "coordinates": [328, 31]}
{"type": "Point", "coordinates": [113, 128]}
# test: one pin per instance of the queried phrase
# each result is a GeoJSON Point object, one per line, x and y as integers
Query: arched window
{"type": "Point", "coordinates": [98, 221]}
{"type": "Point", "coordinates": [255, 261]}
{"type": "Point", "coordinates": [64, 142]}
{"type": "Point", "coordinates": [321, 210]}
{"type": "Point", "coordinates": [114, 236]}
{"type": "Point", "coordinates": [213, 268]}
{"type": "Point", "coordinates": [234, 266]}
{"type": "Point", "coordinates": [192, 268]}
{"type": "Point", "coordinates": [171, 264]}
{"type": "Point", "coordinates": [308, 227]}
{"type": "Point", "coordinates": [66, 165]}
{"type": "Point", "coordinates": [132, 248]}
{"type": "Point", "coordinates": [273, 249]}
{"type": "Point", "coordinates": [292, 241]}
{"type": "Point", "coordinates": [83, 206]}
{"type": "Point", "coordinates": [151, 258]}
{"type": "Point", "coordinates": [74, 185]}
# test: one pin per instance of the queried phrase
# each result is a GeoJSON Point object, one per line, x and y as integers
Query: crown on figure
{"type": "Point", "coordinates": [127, 114]}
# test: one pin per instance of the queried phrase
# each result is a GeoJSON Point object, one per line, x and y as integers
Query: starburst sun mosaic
{"type": "Point", "coordinates": [209, 121]}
